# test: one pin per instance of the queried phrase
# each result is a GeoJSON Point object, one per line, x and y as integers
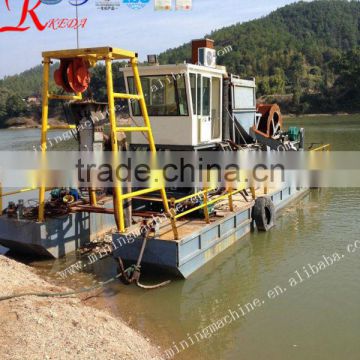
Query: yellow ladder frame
{"type": "Point", "coordinates": [108, 54]}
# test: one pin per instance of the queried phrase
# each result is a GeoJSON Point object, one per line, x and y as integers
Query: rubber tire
{"type": "Point", "coordinates": [264, 213]}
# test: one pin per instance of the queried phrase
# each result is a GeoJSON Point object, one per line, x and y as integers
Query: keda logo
{"type": "Point", "coordinates": [136, 4]}
{"type": "Point", "coordinates": [26, 11]}
{"type": "Point", "coordinates": [29, 13]}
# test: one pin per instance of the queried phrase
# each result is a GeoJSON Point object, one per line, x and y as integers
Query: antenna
{"type": "Point", "coordinates": [77, 21]}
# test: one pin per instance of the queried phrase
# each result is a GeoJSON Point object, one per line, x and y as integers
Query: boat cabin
{"type": "Point", "coordinates": [192, 106]}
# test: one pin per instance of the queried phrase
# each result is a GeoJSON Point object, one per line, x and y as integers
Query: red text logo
{"type": "Point", "coordinates": [53, 24]}
{"type": "Point", "coordinates": [25, 13]}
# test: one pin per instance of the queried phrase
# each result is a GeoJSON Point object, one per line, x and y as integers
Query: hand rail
{"type": "Point", "coordinates": [229, 193]}
{"type": "Point", "coordinates": [177, 201]}
{"type": "Point", "coordinates": [326, 147]}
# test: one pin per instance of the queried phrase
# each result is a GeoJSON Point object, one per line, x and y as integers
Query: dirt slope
{"type": "Point", "coordinates": [59, 328]}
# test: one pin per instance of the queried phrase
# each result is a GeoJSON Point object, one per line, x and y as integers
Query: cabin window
{"type": "Point", "coordinates": [206, 96]}
{"type": "Point", "coordinates": [198, 94]}
{"type": "Point", "coordinates": [181, 94]}
{"type": "Point", "coordinates": [215, 108]}
{"type": "Point", "coordinates": [193, 92]}
{"type": "Point", "coordinates": [165, 95]}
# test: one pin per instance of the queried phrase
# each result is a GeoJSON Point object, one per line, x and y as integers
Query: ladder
{"type": "Point", "coordinates": [108, 54]}
{"type": "Point", "coordinates": [119, 197]}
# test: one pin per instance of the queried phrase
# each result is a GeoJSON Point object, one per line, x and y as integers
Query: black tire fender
{"type": "Point", "coordinates": [263, 213]}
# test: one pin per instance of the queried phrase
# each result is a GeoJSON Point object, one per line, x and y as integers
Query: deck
{"type": "Point", "coordinates": [198, 241]}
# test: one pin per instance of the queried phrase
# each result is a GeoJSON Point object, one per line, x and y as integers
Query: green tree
{"type": "Point", "coordinates": [277, 82]}
{"type": "Point", "coordinates": [264, 86]}
{"type": "Point", "coordinates": [347, 84]}
{"type": "Point", "coordinates": [15, 106]}
{"type": "Point", "coordinates": [4, 94]}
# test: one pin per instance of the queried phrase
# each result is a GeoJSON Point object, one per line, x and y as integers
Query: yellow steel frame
{"type": "Point", "coordinates": [96, 54]}
{"type": "Point", "coordinates": [46, 96]}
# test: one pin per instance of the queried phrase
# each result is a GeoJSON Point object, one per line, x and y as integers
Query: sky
{"type": "Point", "coordinates": [145, 31]}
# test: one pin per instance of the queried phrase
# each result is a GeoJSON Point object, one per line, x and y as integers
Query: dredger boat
{"type": "Point", "coordinates": [195, 106]}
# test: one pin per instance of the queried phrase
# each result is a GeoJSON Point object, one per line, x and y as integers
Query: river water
{"type": "Point", "coordinates": [316, 317]}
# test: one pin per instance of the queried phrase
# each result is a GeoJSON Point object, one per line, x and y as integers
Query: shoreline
{"type": "Point", "coordinates": [285, 116]}
{"type": "Point", "coordinates": [54, 327]}
{"type": "Point", "coordinates": [319, 115]}
{"type": "Point", "coordinates": [22, 123]}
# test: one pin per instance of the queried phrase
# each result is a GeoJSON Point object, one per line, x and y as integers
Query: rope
{"type": "Point", "coordinates": [62, 294]}
{"type": "Point", "coordinates": [133, 276]}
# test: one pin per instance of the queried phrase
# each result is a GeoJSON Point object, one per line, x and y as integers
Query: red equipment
{"type": "Point", "coordinates": [271, 120]}
{"type": "Point", "coordinates": [73, 75]}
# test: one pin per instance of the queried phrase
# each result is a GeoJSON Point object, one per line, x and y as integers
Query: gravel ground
{"type": "Point", "coordinates": [60, 328]}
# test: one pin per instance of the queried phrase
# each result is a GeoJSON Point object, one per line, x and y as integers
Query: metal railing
{"type": "Point", "coordinates": [9, 193]}
{"type": "Point", "coordinates": [204, 206]}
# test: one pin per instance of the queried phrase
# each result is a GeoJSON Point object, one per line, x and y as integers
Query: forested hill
{"type": "Point", "coordinates": [304, 55]}
{"type": "Point", "coordinates": [315, 31]}
{"type": "Point", "coordinates": [24, 84]}
{"type": "Point", "coordinates": [301, 49]}
{"type": "Point", "coordinates": [15, 89]}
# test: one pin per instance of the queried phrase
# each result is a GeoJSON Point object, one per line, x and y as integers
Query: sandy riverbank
{"type": "Point", "coordinates": [60, 328]}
